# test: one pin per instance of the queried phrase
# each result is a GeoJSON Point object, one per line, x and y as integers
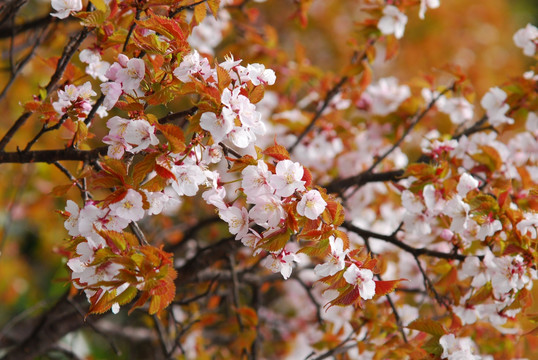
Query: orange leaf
{"type": "Point", "coordinates": [383, 288]}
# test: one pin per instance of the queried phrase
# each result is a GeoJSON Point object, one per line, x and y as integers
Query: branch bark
{"type": "Point", "coordinates": [51, 156]}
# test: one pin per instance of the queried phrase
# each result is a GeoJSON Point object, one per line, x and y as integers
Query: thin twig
{"type": "Point", "coordinates": [417, 119]}
{"type": "Point", "coordinates": [330, 95]}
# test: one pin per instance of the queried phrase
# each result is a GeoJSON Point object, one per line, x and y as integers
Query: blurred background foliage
{"type": "Point", "coordinates": [477, 35]}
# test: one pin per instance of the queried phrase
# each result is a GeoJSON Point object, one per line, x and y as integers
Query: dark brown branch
{"type": "Point", "coordinates": [185, 7]}
{"type": "Point", "coordinates": [51, 156]}
{"type": "Point", "coordinates": [131, 28]}
{"type": "Point", "coordinates": [178, 116]}
{"type": "Point", "coordinates": [393, 240]}
{"type": "Point", "coordinates": [414, 123]}
{"type": "Point", "coordinates": [61, 319]}
{"type": "Point", "coordinates": [330, 95]}
{"type": "Point", "coordinates": [339, 185]}
{"type": "Point", "coordinates": [7, 31]}
{"type": "Point", "coordinates": [67, 54]}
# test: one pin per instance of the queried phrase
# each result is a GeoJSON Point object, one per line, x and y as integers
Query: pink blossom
{"type": "Point", "coordinates": [131, 75]}
{"type": "Point", "coordinates": [140, 133]}
{"type": "Point", "coordinates": [112, 92]}
{"type": "Point", "coordinates": [311, 205]}
{"type": "Point", "coordinates": [191, 65]}
{"type": "Point", "coordinates": [268, 211]}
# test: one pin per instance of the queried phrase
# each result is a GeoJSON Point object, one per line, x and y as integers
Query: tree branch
{"type": "Point", "coordinates": [330, 95]}
{"type": "Point", "coordinates": [51, 156]}
{"type": "Point", "coordinates": [393, 240]}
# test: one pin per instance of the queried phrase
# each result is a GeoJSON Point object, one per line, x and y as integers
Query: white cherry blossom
{"type": "Point", "coordinates": [494, 104]}
{"type": "Point", "coordinates": [467, 183]}
{"type": "Point", "coordinates": [336, 260]}
{"type": "Point", "coordinates": [288, 177]}
{"type": "Point", "coordinates": [218, 126]}
{"type": "Point", "coordinates": [459, 109]}
{"type": "Point", "coordinates": [363, 278]}
{"type": "Point", "coordinates": [458, 348]}
{"type": "Point", "coordinates": [64, 8]}
{"type": "Point", "coordinates": [191, 65]}
{"type": "Point", "coordinates": [283, 262]}
{"type": "Point", "coordinates": [256, 181]}
{"type": "Point", "coordinates": [268, 211]}
{"type": "Point", "coordinates": [529, 225]}
{"type": "Point", "coordinates": [424, 4]}
{"type": "Point", "coordinates": [385, 96]}
{"type": "Point", "coordinates": [526, 39]}
{"type": "Point", "coordinates": [130, 207]}
{"type": "Point", "coordinates": [189, 178]}
{"type": "Point", "coordinates": [237, 219]}
{"type": "Point", "coordinates": [392, 22]}
{"type": "Point", "coordinates": [311, 205]}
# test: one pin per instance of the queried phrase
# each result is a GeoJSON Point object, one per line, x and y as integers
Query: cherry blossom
{"type": "Point", "coordinates": [424, 4]}
{"type": "Point", "coordinates": [112, 92]}
{"type": "Point", "coordinates": [494, 104]}
{"type": "Point", "coordinates": [392, 22]}
{"type": "Point", "coordinates": [336, 260]}
{"type": "Point", "coordinates": [457, 348]}
{"type": "Point", "coordinates": [311, 205]}
{"type": "Point", "coordinates": [288, 177]}
{"type": "Point", "coordinates": [258, 74]}
{"type": "Point", "coordinates": [256, 181]}
{"type": "Point", "coordinates": [385, 96]}
{"type": "Point", "coordinates": [64, 8]}
{"type": "Point", "coordinates": [467, 183]}
{"type": "Point", "coordinates": [140, 133]}
{"type": "Point", "coordinates": [282, 262]}
{"type": "Point", "coordinates": [189, 178]}
{"type": "Point", "coordinates": [489, 227]}
{"type": "Point", "coordinates": [191, 65]}
{"type": "Point", "coordinates": [363, 278]}
{"type": "Point", "coordinates": [131, 74]}
{"type": "Point", "coordinates": [96, 67]}
{"type": "Point", "coordinates": [130, 207]}
{"type": "Point", "coordinates": [75, 98]}
{"type": "Point", "coordinates": [218, 126]}
{"type": "Point", "coordinates": [459, 110]}
{"type": "Point", "coordinates": [526, 39]}
{"type": "Point", "coordinates": [268, 211]}
{"type": "Point", "coordinates": [528, 225]}
{"type": "Point", "coordinates": [458, 210]}
{"type": "Point", "coordinates": [237, 219]}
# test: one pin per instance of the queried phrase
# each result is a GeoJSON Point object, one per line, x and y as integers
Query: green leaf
{"type": "Point", "coordinates": [428, 326]}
